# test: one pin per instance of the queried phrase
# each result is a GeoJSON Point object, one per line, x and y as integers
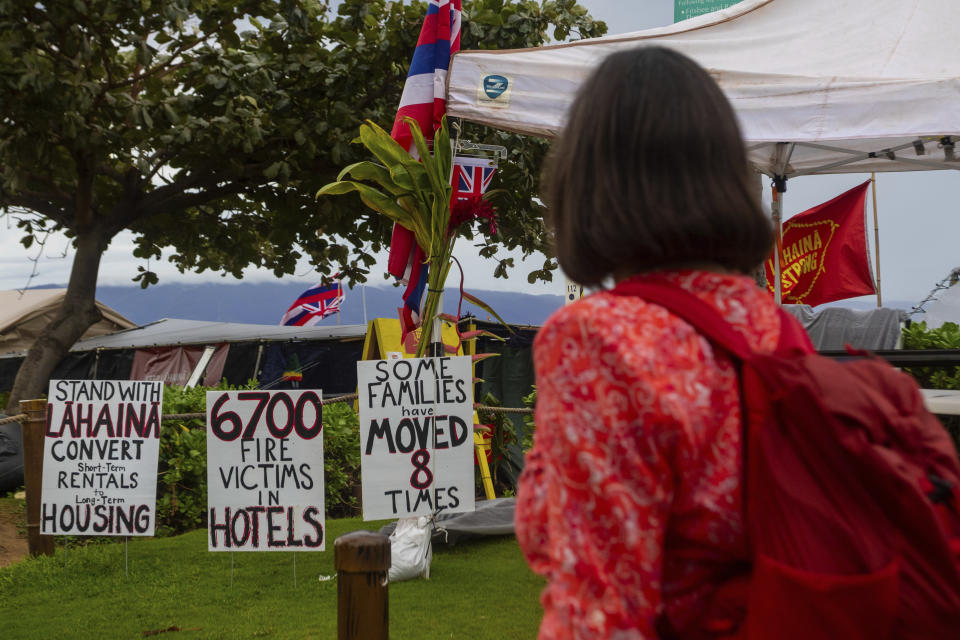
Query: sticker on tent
{"type": "Point", "coordinates": [494, 91]}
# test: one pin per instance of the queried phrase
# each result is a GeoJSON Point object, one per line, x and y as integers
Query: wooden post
{"type": "Point", "coordinates": [876, 236]}
{"type": "Point", "coordinates": [33, 429]}
{"type": "Point", "coordinates": [362, 560]}
{"type": "Point", "coordinates": [776, 208]}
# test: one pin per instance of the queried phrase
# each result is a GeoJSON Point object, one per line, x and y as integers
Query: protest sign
{"type": "Point", "coordinates": [100, 458]}
{"type": "Point", "coordinates": [265, 471]}
{"type": "Point", "coordinates": [416, 436]}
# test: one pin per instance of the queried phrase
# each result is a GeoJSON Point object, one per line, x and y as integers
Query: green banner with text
{"type": "Point", "coordinates": [684, 9]}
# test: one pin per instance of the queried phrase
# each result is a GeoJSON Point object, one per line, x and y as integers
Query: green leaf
{"type": "Point", "coordinates": [376, 200]}
{"type": "Point", "coordinates": [470, 335]}
{"type": "Point", "coordinates": [443, 152]}
{"type": "Point", "coordinates": [387, 150]}
{"type": "Point", "coordinates": [272, 171]}
{"type": "Point", "coordinates": [375, 173]}
{"type": "Point", "coordinates": [483, 305]}
{"type": "Point", "coordinates": [171, 114]}
{"type": "Point", "coordinates": [436, 183]}
{"type": "Point", "coordinates": [404, 169]}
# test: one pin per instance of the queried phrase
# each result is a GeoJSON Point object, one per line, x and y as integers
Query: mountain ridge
{"type": "Point", "coordinates": [265, 303]}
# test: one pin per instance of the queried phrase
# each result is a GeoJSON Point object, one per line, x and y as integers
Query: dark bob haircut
{"type": "Point", "coordinates": [651, 173]}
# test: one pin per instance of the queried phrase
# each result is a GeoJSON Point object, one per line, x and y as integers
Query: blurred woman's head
{"type": "Point", "coordinates": [650, 172]}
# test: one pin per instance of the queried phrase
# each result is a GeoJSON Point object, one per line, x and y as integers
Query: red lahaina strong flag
{"type": "Point", "coordinates": [824, 252]}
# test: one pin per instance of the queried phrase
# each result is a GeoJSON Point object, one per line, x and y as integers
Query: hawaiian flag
{"type": "Point", "coordinates": [424, 100]}
{"type": "Point", "coordinates": [472, 177]}
{"type": "Point", "coordinates": [315, 304]}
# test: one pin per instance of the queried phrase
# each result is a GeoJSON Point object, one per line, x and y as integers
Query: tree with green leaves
{"type": "Point", "coordinates": [205, 127]}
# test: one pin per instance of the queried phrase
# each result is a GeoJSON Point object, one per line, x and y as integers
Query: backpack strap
{"type": "Point", "coordinates": [708, 321]}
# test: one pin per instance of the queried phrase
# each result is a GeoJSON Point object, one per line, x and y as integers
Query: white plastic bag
{"type": "Point", "coordinates": [410, 549]}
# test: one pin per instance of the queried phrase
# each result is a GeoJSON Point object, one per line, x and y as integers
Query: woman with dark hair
{"type": "Point", "coordinates": [630, 503]}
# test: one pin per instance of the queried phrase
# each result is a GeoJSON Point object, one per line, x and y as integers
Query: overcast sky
{"type": "Point", "coordinates": [919, 220]}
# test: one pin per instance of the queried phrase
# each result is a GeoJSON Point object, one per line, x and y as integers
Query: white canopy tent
{"type": "Point", "coordinates": [24, 315]}
{"type": "Point", "coordinates": [819, 86]}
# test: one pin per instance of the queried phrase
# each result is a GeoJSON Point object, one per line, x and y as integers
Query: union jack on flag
{"type": "Point", "coordinates": [472, 177]}
{"type": "Point", "coordinates": [313, 305]}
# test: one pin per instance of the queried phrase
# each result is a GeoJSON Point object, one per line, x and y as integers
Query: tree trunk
{"type": "Point", "coordinates": [77, 313]}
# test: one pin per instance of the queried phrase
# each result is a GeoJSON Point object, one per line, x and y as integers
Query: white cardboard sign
{"type": "Point", "coordinates": [100, 454]}
{"type": "Point", "coordinates": [416, 436]}
{"type": "Point", "coordinates": [265, 471]}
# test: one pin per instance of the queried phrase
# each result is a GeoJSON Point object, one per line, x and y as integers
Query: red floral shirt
{"type": "Point", "coordinates": [630, 500]}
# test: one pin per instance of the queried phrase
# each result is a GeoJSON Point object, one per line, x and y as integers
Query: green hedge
{"type": "Point", "coordinates": [918, 336]}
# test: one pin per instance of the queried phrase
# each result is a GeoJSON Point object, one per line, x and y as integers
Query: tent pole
{"type": "Point", "coordinates": [256, 376]}
{"type": "Point", "coordinates": [363, 296]}
{"type": "Point", "coordinates": [784, 153]}
{"type": "Point", "coordinates": [760, 273]}
{"type": "Point", "coordinates": [876, 235]}
{"type": "Point", "coordinates": [776, 208]}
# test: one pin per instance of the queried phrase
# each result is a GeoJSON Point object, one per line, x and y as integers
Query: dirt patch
{"type": "Point", "coordinates": [13, 531]}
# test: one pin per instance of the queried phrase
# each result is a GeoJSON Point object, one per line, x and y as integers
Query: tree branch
{"type": "Point", "coordinates": [185, 201]}
{"type": "Point", "coordinates": [166, 67]}
{"type": "Point", "coordinates": [40, 203]}
{"type": "Point", "coordinates": [54, 192]}
{"type": "Point", "coordinates": [203, 187]}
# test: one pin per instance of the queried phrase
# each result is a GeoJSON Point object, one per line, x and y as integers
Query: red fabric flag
{"type": "Point", "coordinates": [825, 255]}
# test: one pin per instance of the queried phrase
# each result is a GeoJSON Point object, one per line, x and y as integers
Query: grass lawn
{"type": "Point", "coordinates": [477, 590]}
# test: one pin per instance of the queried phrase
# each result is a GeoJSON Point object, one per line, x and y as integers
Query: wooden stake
{"type": "Point", "coordinates": [777, 212]}
{"type": "Point", "coordinates": [876, 235]}
{"type": "Point", "coordinates": [362, 560]}
{"type": "Point", "coordinates": [33, 429]}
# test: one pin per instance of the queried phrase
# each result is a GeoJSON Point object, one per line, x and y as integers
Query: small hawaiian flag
{"type": "Point", "coordinates": [313, 305]}
{"type": "Point", "coordinates": [472, 177]}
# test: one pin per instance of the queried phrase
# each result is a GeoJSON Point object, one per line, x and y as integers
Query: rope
{"type": "Point", "coordinates": [351, 396]}
{"type": "Point", "coordinates": [192, 416]}
{"type": "Point", "coordinates": [483, 407]}
{"type": "Point", "coordinates": [182, 416]}
{"type": "Point", "coordinates": [943, 285]}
